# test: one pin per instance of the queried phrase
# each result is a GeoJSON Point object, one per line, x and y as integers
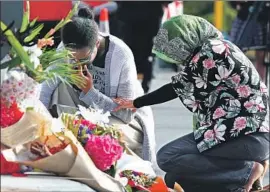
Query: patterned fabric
{"type": "Point", "coordinates": [180, 36]}
{"type": "Point", "coordinates": [98, 75]}
{"type": "Point", "coordinates": [222, 88]}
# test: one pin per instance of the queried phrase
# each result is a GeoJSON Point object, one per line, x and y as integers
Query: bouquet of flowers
{"type": "Point", "coordinates": [142, 182]}
{"type": "Point", "coordinates": [105, 146]}
{"type": "Point", "coordinates": [101, 141]}
{"type": "Point", "coordinates": [83, 146]}
{"type": "Point", "coordinates": [62, 154]}
{"type": "Point", "coordinates": [30, 61]}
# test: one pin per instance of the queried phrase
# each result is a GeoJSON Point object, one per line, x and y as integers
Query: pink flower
{"type": "Point", "coordinates": [219, 112]}
{"type": "Point", "coordinates": [220, 47]}
{"type": "Point", "coordinates": [209, 63]}
{"type": "Point", "coordinates": [243, 91]}
{"type": "Point", "coordinates": [209, 135]}
{"type": "Point", "coordinates": [239, 123]}
{"type": "Point", "coordinates": [236, 79]}
{"type": "Point", "coordinates": [103, 150]}
{"type": "Point", "coordinates": [248, 104]}
{"type": "Point", "coordinates": [196, 58]}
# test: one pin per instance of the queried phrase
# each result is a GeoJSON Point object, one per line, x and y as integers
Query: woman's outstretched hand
{"type": "Point", "coordinates": [124, 104]}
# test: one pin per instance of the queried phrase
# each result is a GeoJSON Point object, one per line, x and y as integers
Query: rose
{"type": "Point", "coordinates": [243, 91]}
{"type": "Point", "coordinates": [248, 104]}
{"type": "Point", "coordinates": [209, 63]}
{"type": "Point", "coordinates": [239, 123]}
{"type": "Point", "coordinates": [236, 79]}
{"type": "Point", "coordinates": [219, 112]}
{"type": "Point", "coordinates": [9, 115]}
{"type": "Point", "coordinates": [209, 135]}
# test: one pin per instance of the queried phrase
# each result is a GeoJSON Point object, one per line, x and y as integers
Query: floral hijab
{"type": "Point", "coordinates": [180, 36]}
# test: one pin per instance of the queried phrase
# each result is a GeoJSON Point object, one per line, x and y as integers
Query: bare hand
{"type": "Point", "coordinates": [87, 78]}
{"type": "Point", "coordinates": [124, 104]}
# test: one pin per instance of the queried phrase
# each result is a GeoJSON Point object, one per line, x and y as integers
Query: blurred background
{"type": "Point", "coordinates": [246, 23]}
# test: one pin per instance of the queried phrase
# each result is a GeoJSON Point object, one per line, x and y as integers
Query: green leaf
{"type": "Point", "coordinates": [29, 108]}
{"type": "Point", "coordinates": [226, 95]}
{"type": "Point", "coordinates": [17, 47]}
{"type": "Point", "coordinates": [34, 33]}
{"type": "Point", "coordinates": [11, 63]}
{"type": "Point", "coordinates": [33, 22]}
{"type": "Point", "coordinates": [25, 19]}
{"type": "Point", "coordinates": [215, 83]}
{"type": "Point", "coordinates": [128, 188]}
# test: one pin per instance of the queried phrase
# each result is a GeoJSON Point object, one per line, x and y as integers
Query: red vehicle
{"type": "Point", "coordinates": [51, 12]}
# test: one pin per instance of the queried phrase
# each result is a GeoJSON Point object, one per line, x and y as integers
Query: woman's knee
{"type": "Point", "coordinates": [164, 158]}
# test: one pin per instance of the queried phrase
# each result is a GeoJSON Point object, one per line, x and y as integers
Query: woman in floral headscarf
{"type": "Point", "coordinates": [219, 84]}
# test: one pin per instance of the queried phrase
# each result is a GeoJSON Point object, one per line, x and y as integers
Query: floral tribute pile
{"type": "Point", "coordinates": [82, 146]}
{"type": "Point", "coordinates": [105, 146]}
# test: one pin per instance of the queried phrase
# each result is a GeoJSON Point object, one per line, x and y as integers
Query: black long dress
{"type": "Point", "coordinates": [139, 22]}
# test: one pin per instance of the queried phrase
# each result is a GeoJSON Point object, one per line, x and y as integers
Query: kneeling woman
{"type": "Point", "coordinates": [230, 145]}
{"type": "Point", "coordinates": [110, 73]}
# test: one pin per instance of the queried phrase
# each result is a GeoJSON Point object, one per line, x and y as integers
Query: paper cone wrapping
{"type": "Point", "coordinates": [29, 127]}
{"type": "Point", "coordinates": [73, 161]}
{"type": "Point", "coordinates": [58, 163]}
{"type": "Point", "coordinates": [130, 162]}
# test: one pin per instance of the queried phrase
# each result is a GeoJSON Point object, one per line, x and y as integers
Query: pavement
{"type": "Point", "coordinates": [172, 119]}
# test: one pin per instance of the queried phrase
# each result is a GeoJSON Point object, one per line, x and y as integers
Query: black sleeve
{"type": "Point", "coordinates": [161, 95]}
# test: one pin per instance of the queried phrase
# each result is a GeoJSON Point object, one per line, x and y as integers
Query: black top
{"type": "Point", "coordinates": [99, 61]}
{"type": "Point", "coordinates": [161, 95]}
{"type": "Point", "coordinates": [143, 11]}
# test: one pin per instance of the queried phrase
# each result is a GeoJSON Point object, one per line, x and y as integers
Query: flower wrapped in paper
{"type": "Point", "coordinates": [20, 124]}
{"type": "Point", "coordinates": [105, 146]}
{"type": "Point", "coordinates": [64, 155]}
{"type": "Point", "coordinates": [29, 63]}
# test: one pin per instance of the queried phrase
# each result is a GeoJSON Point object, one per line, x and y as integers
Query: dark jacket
{"type": "Point", "coordinates": [143, 11]}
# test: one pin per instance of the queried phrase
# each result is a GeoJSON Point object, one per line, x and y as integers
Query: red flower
{"type": "Point", "coordinates": [9, 167]}
{"type": "Point", "coordinates": [9, 115]}
{"type": "Point", "coordinates": [86, 123]}
{"type": "Point", "coordinates": [57, 149]}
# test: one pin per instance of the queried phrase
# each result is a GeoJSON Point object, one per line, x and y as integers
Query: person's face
{"type": "Point", "coordinates": [85, 55]}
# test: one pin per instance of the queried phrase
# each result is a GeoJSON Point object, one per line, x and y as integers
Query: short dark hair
{"type": "Point", "coordinates": [81, 31]}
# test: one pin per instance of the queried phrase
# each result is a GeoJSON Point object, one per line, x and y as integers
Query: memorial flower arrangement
{"type": "Point", "coordinates": [102, 142]}
{"type": "Point", "coordinates": [82, 146]}
{"type": "Point", "coordinates": [105, 146]}
{"type": "Point", "coordinates": [34, 57]}
{"type": "Point", "coordinates": [29, 63]}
